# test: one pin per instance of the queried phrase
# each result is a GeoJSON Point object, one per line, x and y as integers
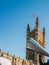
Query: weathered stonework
{"type": "Point", "coordinates": [40, 38]}
{"type": "Point", "coordinates": [15, 60]}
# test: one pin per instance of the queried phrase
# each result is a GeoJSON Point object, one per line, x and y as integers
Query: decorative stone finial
{"type": "Point", "coordinates": [37, 22]}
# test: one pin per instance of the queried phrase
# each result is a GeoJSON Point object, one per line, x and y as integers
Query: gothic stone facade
{"type": "Point", "coordinates": [40, 38]}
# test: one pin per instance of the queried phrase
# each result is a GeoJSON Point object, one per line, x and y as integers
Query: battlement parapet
{"type": "Point", "coordinates": [6, 55]}
{"type": "Point", "coordinates": [15, 60]}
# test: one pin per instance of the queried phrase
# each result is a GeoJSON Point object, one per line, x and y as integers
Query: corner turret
{"type": "Point", "coordinates": [44, 36]}
{"type": "Point", "coordinates": [37, 23]}
{"type": "Point", "coordinates": [28, 31]}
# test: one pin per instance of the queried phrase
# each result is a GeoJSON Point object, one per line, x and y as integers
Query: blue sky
{"type": "Point", "coordinates": [14, 17]}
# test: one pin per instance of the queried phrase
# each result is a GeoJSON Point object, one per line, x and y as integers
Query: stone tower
{"type": "Point", "coordinates": [40, 38]}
